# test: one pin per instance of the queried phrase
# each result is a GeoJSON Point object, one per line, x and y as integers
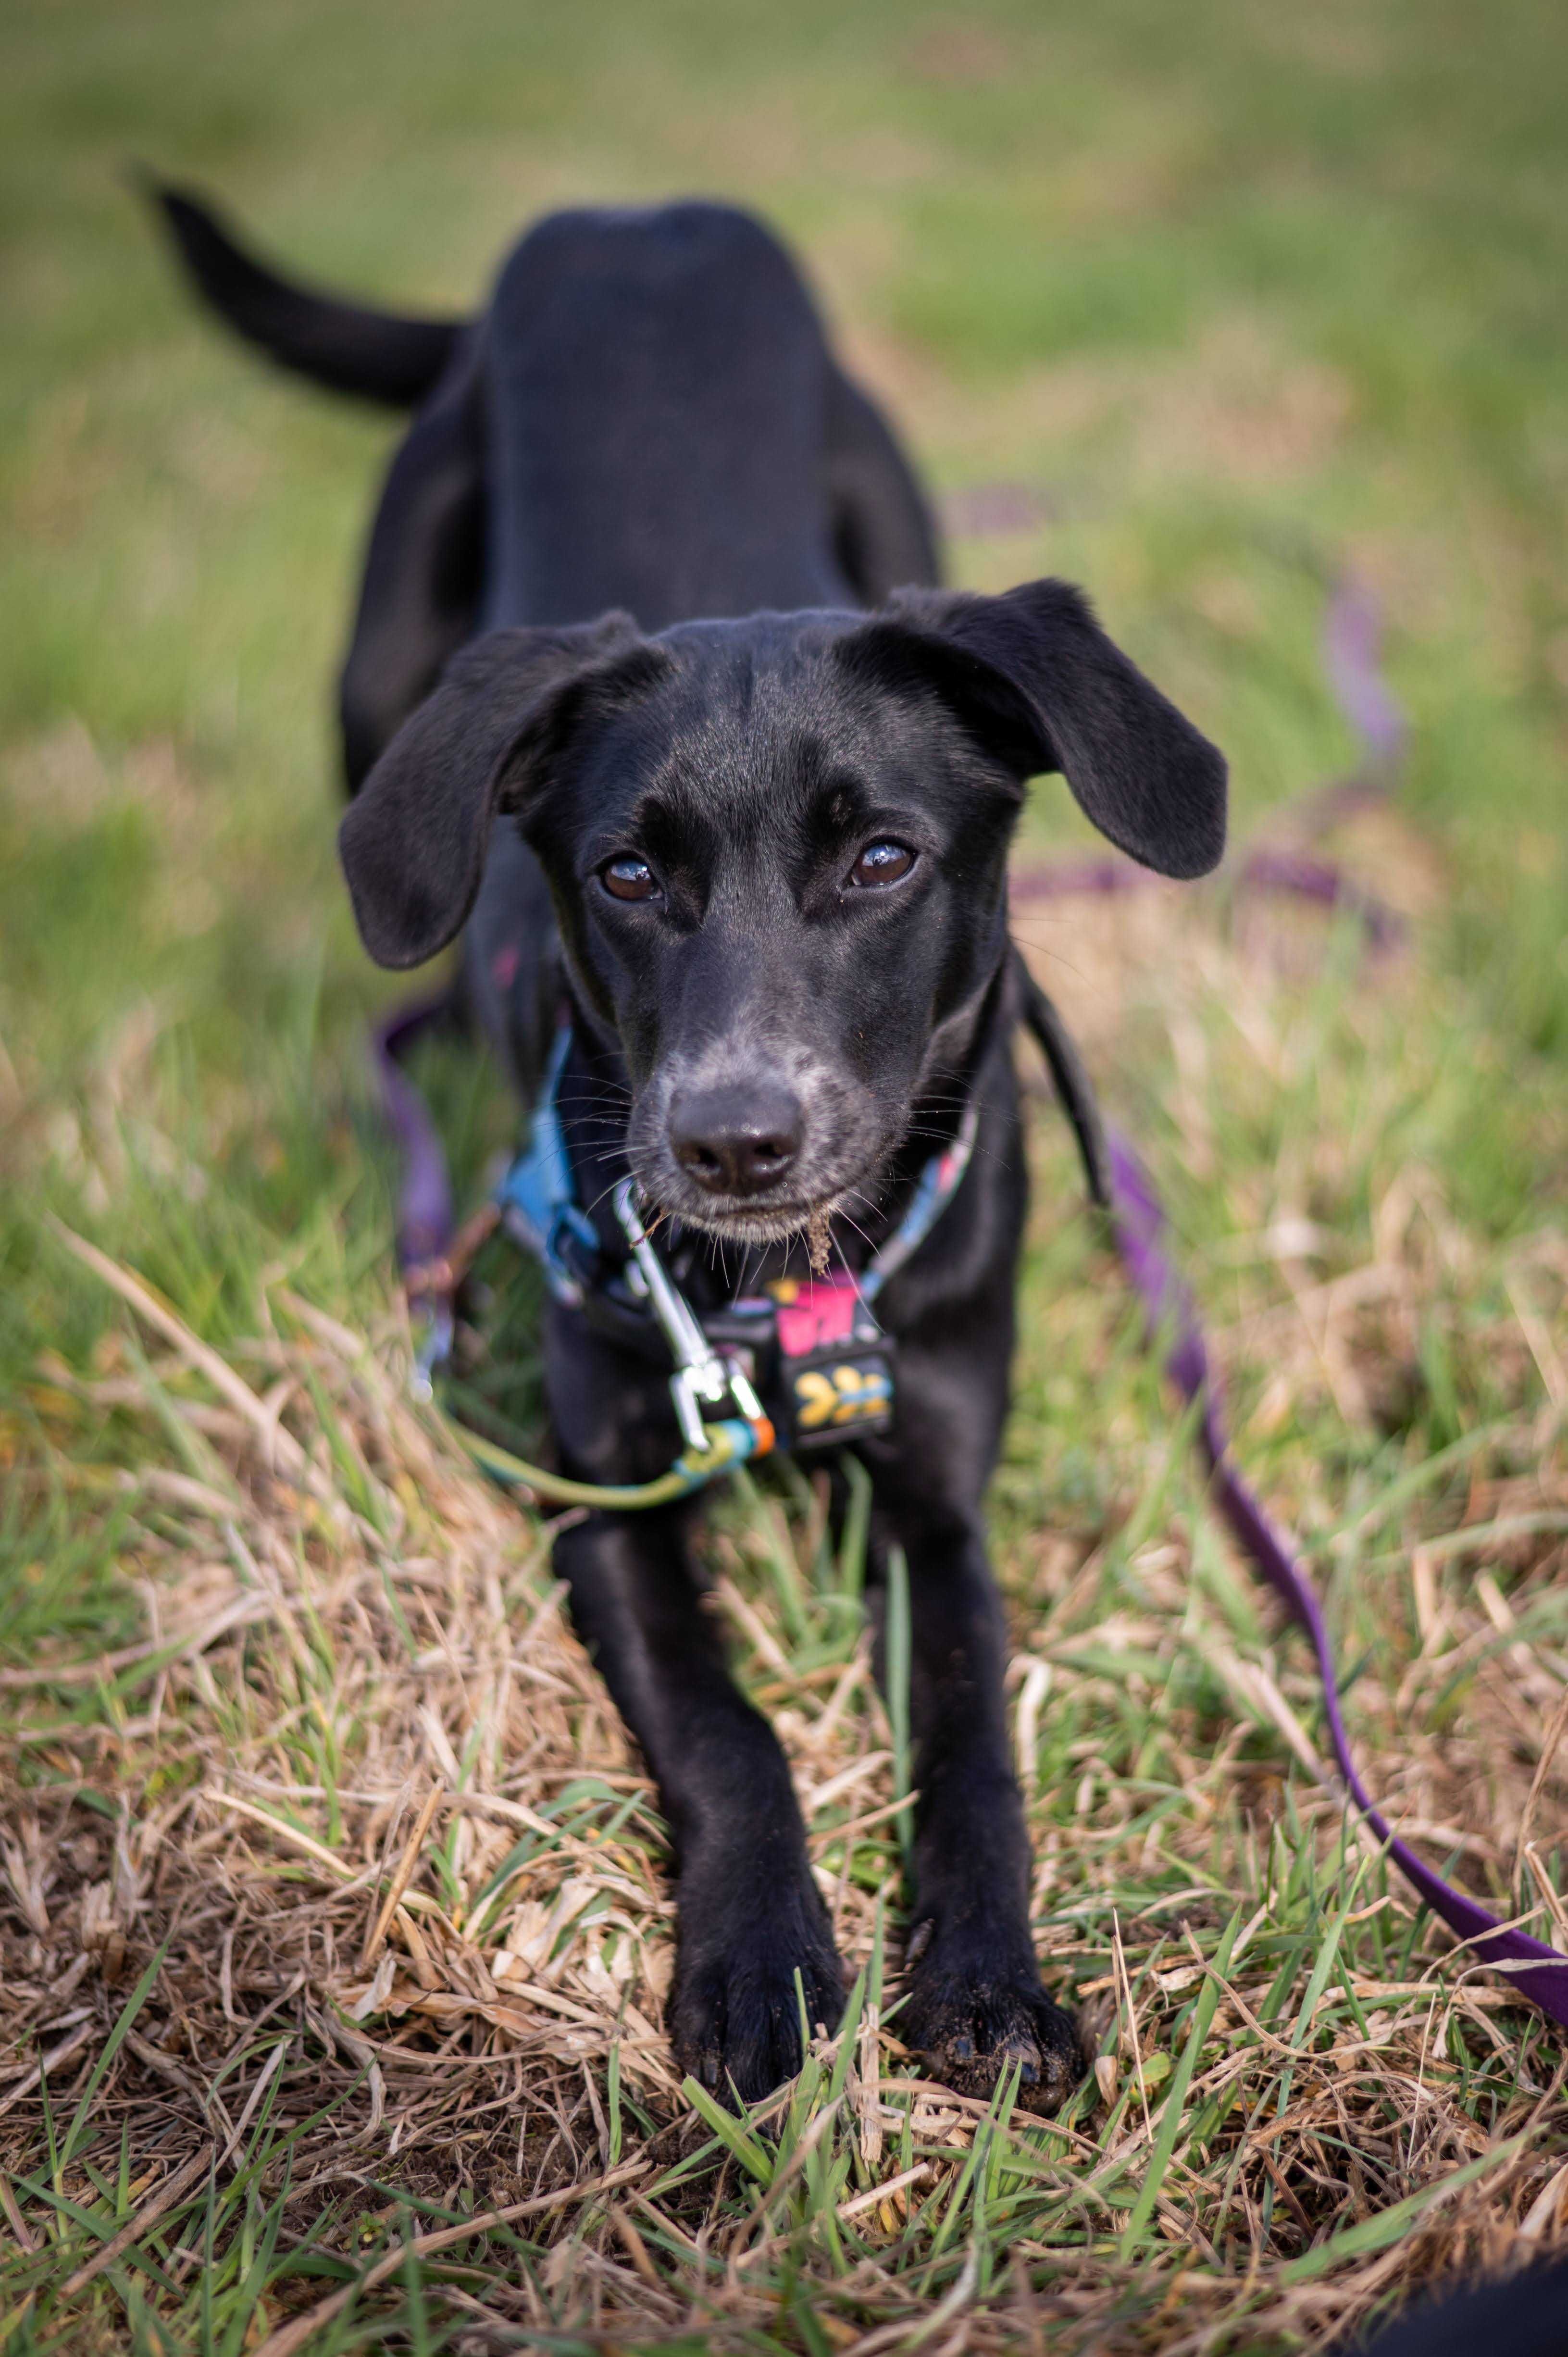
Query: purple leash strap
{"type": "Point", "coordinates": [424, 1214]}
{"type": "Point", "coordinates": [1350, 651]}
{"type": "Point", "coordinates": [426, 1226]}
{"type": "Point", "coordinates": [1538, 1972]}
{"type": "Point", "coordinates": [1352, 637]}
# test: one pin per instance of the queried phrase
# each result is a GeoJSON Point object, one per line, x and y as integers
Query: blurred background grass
{"type": "Point", "coordinates": [1251, 291]}
{"type": "Point", "coordinates": [1244, 297]}
{"type": "Point", "coordinates": [1245, 293]}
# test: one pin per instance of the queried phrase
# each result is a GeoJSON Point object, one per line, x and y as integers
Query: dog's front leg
{"type": "Point", "coordinates": [750, 1914]}
{"type": "Point", "coordinates": [976, 2005]}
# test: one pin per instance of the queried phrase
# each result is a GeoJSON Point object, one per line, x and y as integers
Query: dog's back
{"type": "Point", "coordinates": [647, 416]}
{"type": "Point", "coordinates": [656, 388]}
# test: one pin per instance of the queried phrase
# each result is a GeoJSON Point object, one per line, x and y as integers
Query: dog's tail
{"type": "Point", "coordinates": [376, 354]}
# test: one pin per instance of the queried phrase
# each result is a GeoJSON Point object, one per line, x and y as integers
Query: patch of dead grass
{"type": "Point", "coordinates": [357, 1786]}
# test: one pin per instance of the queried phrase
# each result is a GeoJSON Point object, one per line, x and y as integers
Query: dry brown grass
{"type": "Point", "coordinates": [358, 1791]}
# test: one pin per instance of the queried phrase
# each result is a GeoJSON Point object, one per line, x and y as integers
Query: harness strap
{"type": "Point", "coordinates": [536, 1199]}
{"type": "Point", "coordinates": [1538, 1972]}
{"type": "Point", "coordinates": [937, 1185]}
{"type": "Point", "coordinates": [1075, 1089]}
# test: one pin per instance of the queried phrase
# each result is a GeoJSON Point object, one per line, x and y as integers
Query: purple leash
{"type": "Point", "coordinates": [1538, 1972]}
{"type": "Point", "coordinates": [1350, 659]}
{"type": "Point", "coordinates": [1352, 640]}
{"type": "Point", "coordinates": [1293, 874]}
{"type": "Point", "coordinates": [424, 1214]}
{"type": "Point", "coordinates": [425, 1230]}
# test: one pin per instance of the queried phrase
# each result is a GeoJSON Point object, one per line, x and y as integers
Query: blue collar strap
{"type": "Point", "coordinates": [536, 1200]}
{"type": "Point", "coordinates": [937, 1185]}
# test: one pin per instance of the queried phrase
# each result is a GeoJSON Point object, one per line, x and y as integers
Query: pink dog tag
{"type": "Point", "coordinates": [818, 1316]}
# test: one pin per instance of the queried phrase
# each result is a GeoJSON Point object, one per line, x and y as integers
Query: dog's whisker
{"type": "Point", "coordinates": [842, 1214]}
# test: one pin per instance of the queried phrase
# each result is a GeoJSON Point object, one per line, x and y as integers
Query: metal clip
{"type": "Point", "coordinates": [702, 1376]}
{"type": "Point", "coordinates": [432, 1350]}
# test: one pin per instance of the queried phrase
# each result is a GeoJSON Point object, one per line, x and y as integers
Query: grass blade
{"type": "Point", "coordinates": [745, 2148]}
{"type": "Point", "coordinates": [112, 2046]}
{"type": "Point", "coordinates": [1169, 2128]}
{"type": "Point", "coordinates": [1375, 2234]}
{"type": "Point", "coordinates": [898, 1661]}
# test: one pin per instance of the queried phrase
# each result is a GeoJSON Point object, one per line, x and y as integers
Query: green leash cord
{"type": "Point", "coordinates": [703, 1377]}
{"type": "Point", "coordinates": [730, 1443]}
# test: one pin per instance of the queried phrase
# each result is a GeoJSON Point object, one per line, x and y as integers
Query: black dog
{"type": "Point", "coordinates": [1527, 2315]}
{"type": "Point", "coordinates": [765, 859]}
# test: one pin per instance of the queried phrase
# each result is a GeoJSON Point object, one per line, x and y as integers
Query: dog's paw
{"type": "Point", "coordinates": [734, 2016]}
{"type": "Point", "coordinates": [970, 2029]}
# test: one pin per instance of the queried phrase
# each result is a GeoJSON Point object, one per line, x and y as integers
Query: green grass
{"type": "Point", "coordinates": [1249, 298]}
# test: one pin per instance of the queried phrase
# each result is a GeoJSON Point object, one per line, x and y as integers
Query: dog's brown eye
{"type": "Point", "coordinates": [629, 879]}
{"type": "Point", "coordinates": [882, 863]}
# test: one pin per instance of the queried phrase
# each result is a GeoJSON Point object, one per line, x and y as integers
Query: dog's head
{"type": "Point", "coordinates": [778, 850]}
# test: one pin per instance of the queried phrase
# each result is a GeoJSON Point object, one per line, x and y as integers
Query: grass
{"type": "Point", "coordinates": [1233, 299]}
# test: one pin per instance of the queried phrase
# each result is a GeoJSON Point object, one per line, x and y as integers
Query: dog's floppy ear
{"type": "Point", "coordinates": [1037, 684]}
{"type": "Point", "coordinates": [412, 842]}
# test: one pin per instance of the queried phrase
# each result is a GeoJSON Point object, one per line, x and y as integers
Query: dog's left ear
{"type": "Point", "coordinates": [1037, 683]}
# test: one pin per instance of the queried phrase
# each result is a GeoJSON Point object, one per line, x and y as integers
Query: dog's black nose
{"type": "Point", "coordinates": [735, 1141]}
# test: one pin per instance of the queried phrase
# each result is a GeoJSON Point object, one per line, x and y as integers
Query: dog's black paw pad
{"type": "Point", "coordinates": [736, 2019]}
{"type": "Point", "coordinates": [969, 2037]}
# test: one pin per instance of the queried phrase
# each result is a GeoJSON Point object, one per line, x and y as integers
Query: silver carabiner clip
{"type": "Point", "coordinates": [702, 1376]}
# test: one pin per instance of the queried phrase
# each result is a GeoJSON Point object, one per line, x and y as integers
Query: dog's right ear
{"type": "Point", "coordinates": [1038, 685]}
{"type": "Point", "coordinates": [413, 840]}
